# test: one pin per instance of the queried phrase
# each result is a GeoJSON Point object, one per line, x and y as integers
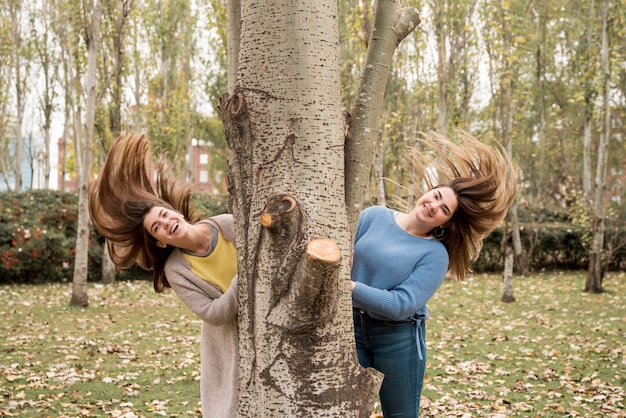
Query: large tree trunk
{"type": "Point", "coordinates": [285, 131]}
{"type": "Point", "coordinates": [286, 135]}
{"type": "Point", "coordinates": [79, 288]}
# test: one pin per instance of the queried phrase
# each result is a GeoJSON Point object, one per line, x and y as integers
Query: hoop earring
{"type": "Point", "coordinates": [439, 232]}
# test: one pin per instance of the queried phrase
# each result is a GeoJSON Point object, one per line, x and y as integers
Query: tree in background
{"type": "Point", "coordinates": [597, 263]}
{"type": "Point", "coordinates": [171, 27]}
{"type": "Point", "coordinates": [93, 14]}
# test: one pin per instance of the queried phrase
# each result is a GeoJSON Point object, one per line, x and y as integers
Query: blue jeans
{"type": "Point", "coordinates": [392, 348]}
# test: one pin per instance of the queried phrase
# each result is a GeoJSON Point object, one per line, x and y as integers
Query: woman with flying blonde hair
{"type": "Point", "coordinates": [148, 220]}
{"type": "Point", "coordinates": [400, 259]}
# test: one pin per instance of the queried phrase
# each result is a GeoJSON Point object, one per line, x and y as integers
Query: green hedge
{"type": "Point", "coordinates": [38, 235]}
{"type": "Point", "coordinates": [547, 246]}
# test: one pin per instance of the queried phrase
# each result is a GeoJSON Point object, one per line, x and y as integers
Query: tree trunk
{"type": "Point", "coordinates": [286, 135]}
{"type": "Point", "coordinates": [507, 276]}
{"type": "Point", "coordinates": [595, 271]}
{"type": "Point", "coordinates": [109, 270]}
{"type": "Point", "coordinates": [391, 26]}
{"type": "Point", "coordinates": [16, 58]}
{"type": "Point", "coordinates": [79, 288]}
{"type": "Point", "coordinates": [521, 262]}
{"type": "Point", "coordinates": [108, 267]}
{"type": "Point", "coordinates": [507, 124]}
{"type": "Point", "coordinates": [378, 168]}
{"type": "Point", "coordinates": [285, 132]}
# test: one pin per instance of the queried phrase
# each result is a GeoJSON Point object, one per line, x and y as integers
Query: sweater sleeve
{"type": "Point", "coordinates": [405, 299]}
{"type": "Point", "coordinates": [205, 300]}
{"type": "Point", "coordinates": [226, 224]}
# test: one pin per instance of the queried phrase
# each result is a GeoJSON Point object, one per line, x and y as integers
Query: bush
{"type": "Point", "coordinates": [210, 205]}
{"type": "Point", "coordinates": [546, 246]}
{"type": "Point", "coordinates": [38, 236]}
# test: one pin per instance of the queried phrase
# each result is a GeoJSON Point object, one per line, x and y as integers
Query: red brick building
{"type": "Point", "coordinates": [200, 160]}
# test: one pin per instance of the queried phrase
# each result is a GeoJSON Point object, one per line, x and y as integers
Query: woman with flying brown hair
{"type": "Point", "coordinates": [147, 220]}
{"type": "Point", "coordinates": [400, 259]}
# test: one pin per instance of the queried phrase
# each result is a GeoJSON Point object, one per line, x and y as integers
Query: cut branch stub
{"type": "Point", "coordinates": [275, 209]}
{"type": "Point", "coordinates": [236, 103]}
{"type": "Point", "coordinates": [323, 250]}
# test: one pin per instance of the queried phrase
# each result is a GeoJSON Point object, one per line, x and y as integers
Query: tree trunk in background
{"type": "Point", "coordinates": [378, 168]}
{"type": "Point", "coordinates": [507, 77]}
{"type": "Point", "coordinates": [19, 84]}
{"type": "Point", "coordinates": [596, 266]}
{"type": "Point", "coordinates": [115, 119]}
{"type": "Point", "coordinates": [391, 26]}
{"type": "Point", "coordinates": [286, 136]}
{"type": "Point", "coordinates": [49, 62]}
{"type": "Point", "coordinates": [79, 288]}
{"type": "Point", "coordinates": [507, 276]}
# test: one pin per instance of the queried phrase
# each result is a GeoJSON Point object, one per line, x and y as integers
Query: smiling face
{"type": "Point", "coordinates": [436, 207]}
{"type": "Point", "coordinates": [166, 225]}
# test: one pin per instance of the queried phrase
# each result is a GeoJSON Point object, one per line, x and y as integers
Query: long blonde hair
{"type": "Point", "coordinates": [483, 179]}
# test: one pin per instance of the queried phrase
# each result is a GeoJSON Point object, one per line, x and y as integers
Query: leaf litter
{"type": "Point", "coordinates": [556, 351]}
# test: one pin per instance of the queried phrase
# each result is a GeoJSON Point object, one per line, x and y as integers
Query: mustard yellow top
{"type": "Point", "coordinates": [219, 267]}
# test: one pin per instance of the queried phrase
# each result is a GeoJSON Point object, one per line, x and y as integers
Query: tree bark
{"type": "Point", "coordinates": [507, 276]}
{"type": "Point", "coordinates": [391, 25]}
{"type": "Point", "coordinates": [286, 136]}
{"type": "Point", "coordinates": [79, 288]}
{"type": "Point", "coordinates": [596, 270]}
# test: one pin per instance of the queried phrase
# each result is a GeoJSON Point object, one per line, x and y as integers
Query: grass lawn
{"type": "Point", "coordinates": [555, 352]}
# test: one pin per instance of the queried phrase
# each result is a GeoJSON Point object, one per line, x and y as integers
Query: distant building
{"type": "Point", "coordinates": [200, 160]}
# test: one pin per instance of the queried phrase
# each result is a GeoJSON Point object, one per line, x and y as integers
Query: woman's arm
{"type": "Point", "coordinates": [403, 300]}
{"type": "Point", "coordinates": [213, 308]}
{"type": "Point", "coordinates": [205, 300]}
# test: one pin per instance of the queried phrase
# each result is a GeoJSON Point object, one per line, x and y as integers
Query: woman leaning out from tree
{"type": "Point", "coordinates": [148, 221]}
{"type": "Point", "coordinates": [401, 259]}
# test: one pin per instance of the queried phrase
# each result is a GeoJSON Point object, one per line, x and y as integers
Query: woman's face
{"type": "Point", "coordinates": [436, 207]}
{"type": "Point", "coordinates": [167, 226]}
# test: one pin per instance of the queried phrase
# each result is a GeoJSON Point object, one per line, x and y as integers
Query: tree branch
{"type": "Point", "coordinates": [391, 26]}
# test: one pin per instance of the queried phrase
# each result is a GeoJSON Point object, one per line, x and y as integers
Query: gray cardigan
{"type": "Point", "coordinates": [219, 342]}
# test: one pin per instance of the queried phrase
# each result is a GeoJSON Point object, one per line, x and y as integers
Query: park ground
{"type": "Point", "coordinates": [554, 352]}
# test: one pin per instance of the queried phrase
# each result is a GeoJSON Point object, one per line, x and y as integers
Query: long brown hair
{"type": "Point", "coordinates": [483, 179]}
{"type": "Point", "coordinates": [121, 196]}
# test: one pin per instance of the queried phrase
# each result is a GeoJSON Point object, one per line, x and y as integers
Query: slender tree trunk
{"type": "Point", "coordinates": [507, 276]}
{"type": "Point", "coordinates": [108, 267]}
{"type": "Point", "coordinates": [507, 123]}
{"type": "Point", "coordinates": [233, 11]}
{"type": "Point", "coordinates": [391, 25]}
{"type": "Point", "coordinates": [16, 52]}
{"type": "Point", "coordinates": [595, 272]}
{"type": "Point", "coordinates": [442, 66]}
{"type": "Point", "coordinates": [79, 288]}
{"type": "Point", "coordinates": [378, 170]}
{"type": "Point", "coordinates": [589, 92]}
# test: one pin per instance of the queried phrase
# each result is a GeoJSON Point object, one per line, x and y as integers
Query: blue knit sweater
{"type": "Point", "coordinates": [395, 272]}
